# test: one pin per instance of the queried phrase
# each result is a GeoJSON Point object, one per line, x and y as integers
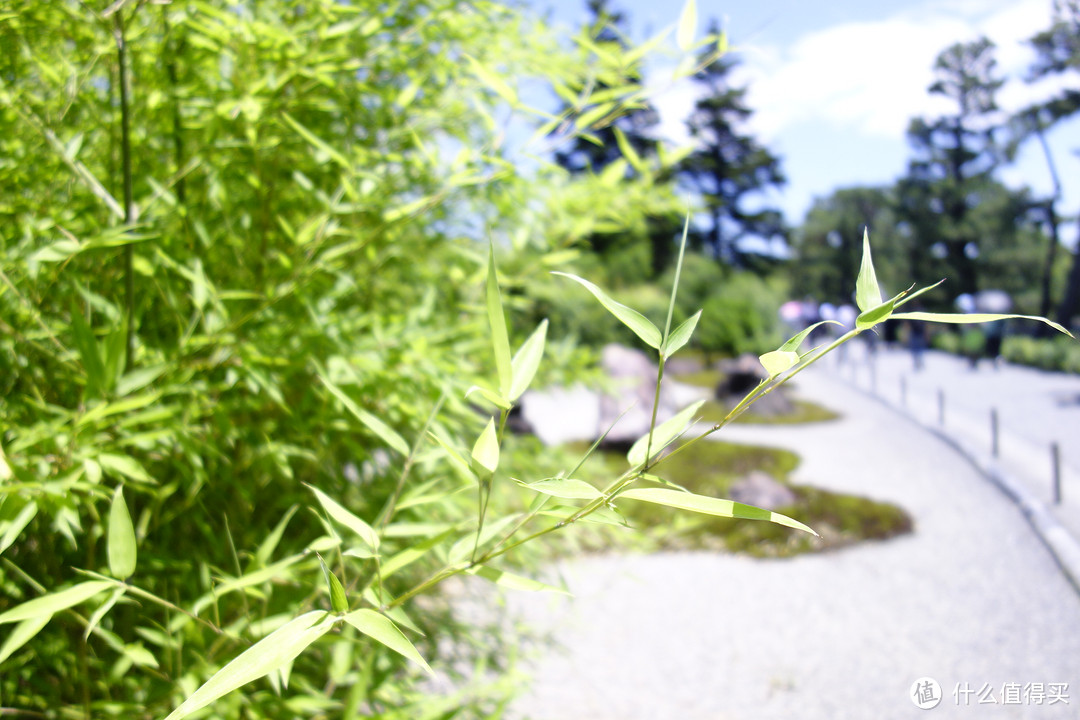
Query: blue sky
{"type": "Point", "coordinates": [834, 82]}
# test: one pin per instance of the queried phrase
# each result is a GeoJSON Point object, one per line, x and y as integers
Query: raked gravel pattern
{"type": "Point", "coordinates": [971, 599]}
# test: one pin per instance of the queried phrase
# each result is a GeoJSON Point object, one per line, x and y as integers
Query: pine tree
{"type": "Point", "coordinates": [729, 165]}
{"type": "Point", "coordinates": [1057, 53]}
{"type": "Point", "coordinates": [956, 156]}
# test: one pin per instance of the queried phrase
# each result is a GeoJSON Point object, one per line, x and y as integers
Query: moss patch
{"type": "Point", "coordinates": [710, 468]}
{"type": "Point", "coordinates": [713, 411]}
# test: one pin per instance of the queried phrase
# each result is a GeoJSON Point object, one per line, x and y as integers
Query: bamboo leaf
{"type": "Point", "coordinates": [124, 466]}
{"type": "Point", "coordinates": [89, 353]}
{"type": "Point", "coordinates": [710, 506]}
{"type": "Point", "coordinates": [527, 360]}
{"type": "Point", "coordinates": [55, 602]}
{"type": "Point", "coordinates": [372, 423]}
{"type": "Point", "coordinates": [490, 395]}
{"type": "Point", "coordinates": [497, 321]}
{"type": "Point", "coordinates": [5, 470]}
{"type": "Point", "coordinates": [684, 36]}
{"type": "Point", "coordinates": [317, 142]}
{"type": "Point", "coordinates": [969, 318]}
{"type": "Point", "coordinates": [17, 524]}
{"type": "Point", "coordinates": [381, 628]}
{"type": "Point", "coordinates": [567, 488]}
{"type": "Point", "coordinates": [867, 292]}
{"type": "Point", "coordinates": [485, 452]}
{"type": "Point", "coordinates": [778, 361]}
{"type": "Point", "coordinates": [338, 601]}
{"type": "Point", "coordinates": [121, 547]}
{"type": "Point", "coordinates": [628, 151]}
{"type": "Point", "coordinates": [22, 634]}
{"type": "Point", "coordinates": [492, 80]}
{"type": "Point", "coordinates": [341, 515]}
{"type": "Point", "coordinates": [793, 343]}
{"type": "Point", "coordinates": [662, 435]}
{"type": "Point", "coordinates": [513, 582]}
{"type": "Point", "coordinates": [106, 606]}
{"type": "Point", "coordinates": [680, 335]}
{"type": "Point", "coordinates": [274, 651]}
{"type": "Point", "coordinates": [267, 546]}
{"type": "Point", "coordinates": [875, 315]}
{"type": "Point", "coordinates": [634, 320]}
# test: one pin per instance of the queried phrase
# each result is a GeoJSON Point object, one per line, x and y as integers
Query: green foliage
{"type": "Point", "coordinates": [295, 293]}
{"type": "Point", "coordinates": [1056, 354]}
{"type": "Point", "coordinates": [741, 316]}
{"type": "Point", "coordinates": [310, 187]}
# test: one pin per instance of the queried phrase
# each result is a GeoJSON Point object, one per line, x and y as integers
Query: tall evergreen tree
{"type": "Point", "coordinates": [955, 157]}
{"type": "Point", "coordinates": [1057, 53]}
{"type": "Point", "coordinates": [601, 147]}
{"type": "Point", "coordinates": [729, 166]}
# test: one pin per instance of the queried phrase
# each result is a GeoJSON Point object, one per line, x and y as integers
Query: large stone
{"type": "Point", "coordinates": [760, 490]}
{"type": "Point", "coordinates": [740, 376]}
{"type": "Point", "coordinates": [558, 415]}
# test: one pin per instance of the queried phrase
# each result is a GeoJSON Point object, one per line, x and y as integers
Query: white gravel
{"type": "Point", "coordinates": [972, 597]}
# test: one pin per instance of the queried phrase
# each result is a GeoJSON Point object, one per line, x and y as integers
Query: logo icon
{"type": "Point", "coordinates": [925, 693]}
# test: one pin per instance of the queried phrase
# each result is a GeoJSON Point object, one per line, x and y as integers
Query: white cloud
{"type": "Point", "coordinates": [872, 77]}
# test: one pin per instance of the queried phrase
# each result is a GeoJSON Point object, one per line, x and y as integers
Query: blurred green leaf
{"type": "Point", "coordinates": [796, 340]}
{"type": "Point", "coordinates": [687, 26]}
{"type": "Point", "coordinates": [381, 628]}
{"type": "Point", "coordinates": [778, 361]}
{"type": "Point", "coordinates": [634, 320]}
{"type": "Point", "coordinates": [339, 514]}
{"type": "Point", "coordinates": [710, 506]}
{"type": "Point", "coordinates": [372, 423]}
{"type": "Point", "coordinates": [55, 602]}
{"type": "Point", "coordinates": [485, 452]}
{"type": "Point", "coordinates": [264, 657]}
{"type": "Point", "coordinates": [12, 528]}
{"type": "Point", "coordinates": [121, 548]}
{"type": "Point", "coordinates": [867, 292]}
{"type": "Point", "coordinates": [493, 81]}
{"type": "Point", "coordinates": [662, 436]}
{"type": "Point", "coordinates": [875, 315]}
{"type": "Point", "coordinates": [316, 142]}
{"type": "Point", "coordinates": [338, 601]}
{"type": "Point", "coordinates": [89, 353]}
{"type": "Point", "coordinates": [492, 397]}
{"type": "Point", "coordinates": [513, 582]}
{"type": "Point", "coordinates": [680, 335]}
{"type": "Point", "coordinates": [974, 318]}
{"type": "Point", "coordinates": [526, 361]}
{"type": "Point", "coordinates": [567, 488]}
{"type": "Point", "coordinates": [497, 321]}
{"type": "Point", "coordinates": [124, 466]}
{"type": "Point", "coordinates": [22, 634]}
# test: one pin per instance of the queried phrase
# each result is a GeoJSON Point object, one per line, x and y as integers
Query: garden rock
{"type": "Point", "coordinates": [740, 376]}
{"type": "Point", "coordinates": [760, 490]}
{"type": "Point", "coordinates": [559, 415]}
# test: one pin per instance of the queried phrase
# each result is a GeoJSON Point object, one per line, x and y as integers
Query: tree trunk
{"type": "Point", "coordinates": [1069, 303]}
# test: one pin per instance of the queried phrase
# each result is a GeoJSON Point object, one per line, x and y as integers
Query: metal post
{"type": "Point", "coordinates": [994, 431]}
{"type": "Point", "coordinates": [1055, 458]}
{"type": "Point", "coordinates": [941, 407]}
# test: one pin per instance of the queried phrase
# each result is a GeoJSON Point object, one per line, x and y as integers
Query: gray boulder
{"type": "Point", "coordinates": [760, 490]}
{"type": "Point", "coordinates": [558, 415]}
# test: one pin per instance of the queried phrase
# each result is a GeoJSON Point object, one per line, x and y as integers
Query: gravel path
{"type": "Point", "coordinates": [1034, 409]}
{"type": "Point", "coordinates": [971, 598]}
